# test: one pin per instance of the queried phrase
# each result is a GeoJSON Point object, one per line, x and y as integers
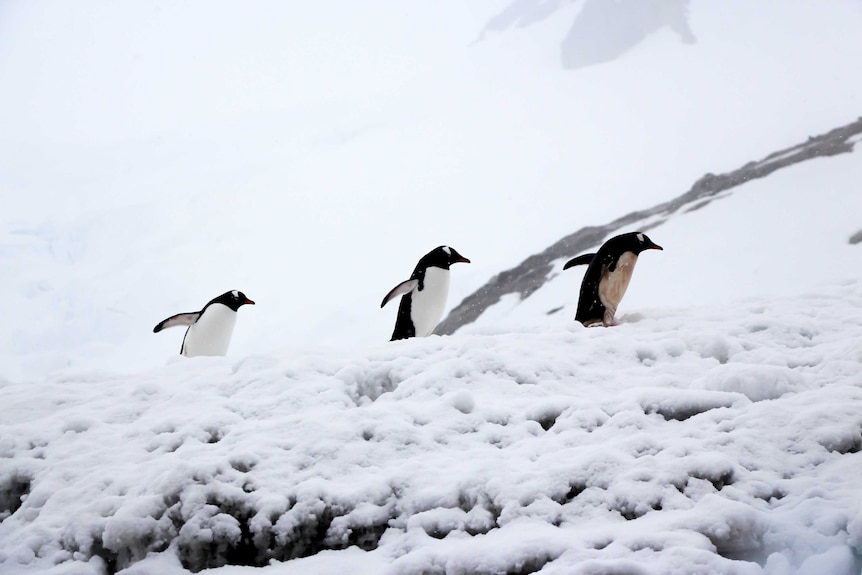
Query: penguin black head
{"type": "Point", "coordinates": [634, 242]}
{"type": "Point", "coordinates": [441, 257]}
{"type": "Point", "coordinates": [637, 242]}
{"type": "Point", "coordinates": [233, 299]}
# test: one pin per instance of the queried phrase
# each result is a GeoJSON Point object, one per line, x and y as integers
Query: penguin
{"type": "Point", "coordinates": [608, 276]}
{"type": "Point", "coordinates": [424, 294]}
{"type": "Point", "coordinates": [210, 329]}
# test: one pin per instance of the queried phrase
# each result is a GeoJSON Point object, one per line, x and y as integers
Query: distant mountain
{"type": "Point", "coordinates": [532, 273]}
{"type": "Point", "coordinates": [601, 31]}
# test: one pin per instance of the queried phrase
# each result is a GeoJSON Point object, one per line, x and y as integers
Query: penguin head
{"type": "Point", "coordinates": [442, 257]}
{"type": "Point", "coordinates": [635, 242]}
{"type": "Point", "coordinates": [642, 243]}
{"type": "Point", "coordinates": [233, 299]}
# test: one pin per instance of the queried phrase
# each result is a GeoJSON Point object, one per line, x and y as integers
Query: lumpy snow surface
{"type": "Point", "coordinates": [704, 440]}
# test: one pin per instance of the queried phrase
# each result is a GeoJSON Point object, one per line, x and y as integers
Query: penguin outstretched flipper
{"type": "Point", "coordinates": [186, 319]}
{"type": "Point", "coordinates": [404, 287]}
{"type": "Point", "coordinates": [581, 260]}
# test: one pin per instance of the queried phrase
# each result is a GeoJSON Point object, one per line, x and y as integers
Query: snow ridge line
{"type": "Point", "coordinates": [532, 273]}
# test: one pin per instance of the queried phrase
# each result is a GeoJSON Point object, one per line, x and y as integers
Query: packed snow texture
{"type": "Point", "coordinates": [155, 154]}
{"type": "Point", "coordinates": [715, 440]}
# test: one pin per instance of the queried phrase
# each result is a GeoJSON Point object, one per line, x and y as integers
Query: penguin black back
{"type": "Point", "coordinates": [404, 328]}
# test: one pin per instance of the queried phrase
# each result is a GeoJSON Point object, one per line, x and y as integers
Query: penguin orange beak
{"type": "Point", "coordinates": [462, 260]}
{"type": "Point", "coordinates": [248, 301]}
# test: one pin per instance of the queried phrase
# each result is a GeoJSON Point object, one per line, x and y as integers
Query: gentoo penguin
{"type": "Point", "coordinates": [424, 294]}
{"type": "Point", "coordinates": [210, 329]}
{"type": "Point", "coordinates": [608, 276]}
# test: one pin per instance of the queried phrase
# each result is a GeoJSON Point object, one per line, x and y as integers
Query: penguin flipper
{"type": "Point", "coordinates": [579, 261]}
{"type": "Point", "coordinates": [175, 320]}
{"type": "Point", "coordinates": [404, 287]}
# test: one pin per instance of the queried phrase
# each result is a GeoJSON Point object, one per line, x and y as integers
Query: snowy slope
{"type": "Point", "coordinates": [155, 154]}
{"type": "Point", "coordinates": [690, 440]}
{"type": "Point", "coordinates": [782, 234]}
{"type": "Point", "coordinates": [790, 224]}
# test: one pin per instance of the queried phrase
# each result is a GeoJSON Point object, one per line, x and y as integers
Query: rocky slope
{"type": "Point", "coordinates": [528, 276]}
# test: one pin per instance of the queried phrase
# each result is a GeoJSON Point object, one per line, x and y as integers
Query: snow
{"type": "Point", "coordinates": [155, 154]}
{"type": "Point", "coordinates": [147, 169]}
{"type": "Point", "coordinates": [702, 440]}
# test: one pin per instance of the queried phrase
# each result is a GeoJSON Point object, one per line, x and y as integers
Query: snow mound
{"type": "Point", "coordinates": [706, 440]}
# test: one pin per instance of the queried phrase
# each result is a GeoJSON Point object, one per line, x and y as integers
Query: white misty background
{"type": "Point", "coordinates": [157, 154]}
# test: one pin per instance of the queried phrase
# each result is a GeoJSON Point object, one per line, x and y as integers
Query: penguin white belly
{"type": "Point", "coordinates": [430, 302]}
{"type": "Point", "coordinates": [613, 285]}
{"type": "Point", "coordinates": [211, 334]}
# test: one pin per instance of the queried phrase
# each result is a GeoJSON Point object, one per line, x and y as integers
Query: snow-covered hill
{"type": "Point", "coordinates": [715, 440]}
